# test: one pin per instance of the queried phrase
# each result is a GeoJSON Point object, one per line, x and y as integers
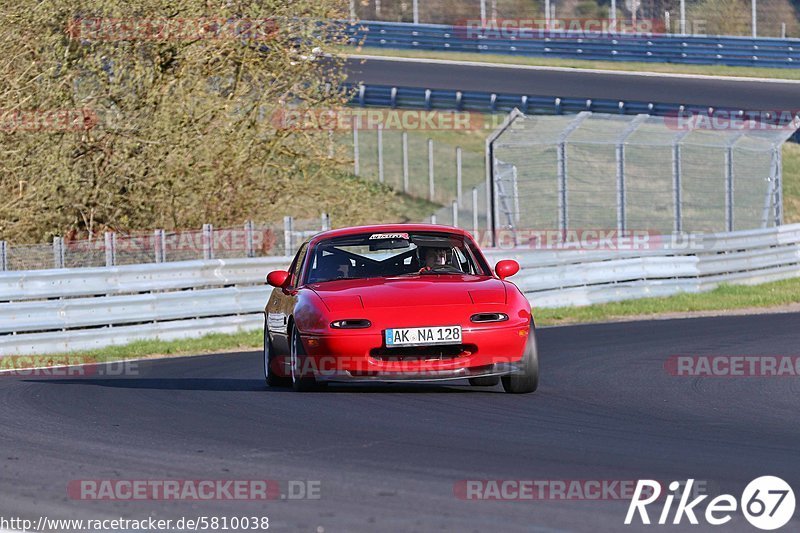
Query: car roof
{"type": "Point", "coordinates": [389, 228]}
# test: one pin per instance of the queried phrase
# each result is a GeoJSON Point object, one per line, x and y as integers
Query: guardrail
{"type": "Point", "coordinates": [50, 311]}
{"type": "Point", "coordinates": [706, 50]}
{"type": "Point", "coordinates": [485, 102]}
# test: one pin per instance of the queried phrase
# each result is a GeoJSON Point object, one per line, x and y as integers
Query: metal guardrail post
{"type": "Point", "coordinates": [249, 230]}
{"type": "Point", "coordinates": [288, 229]}
{"type": "Point", "coordinates": [415, 11]}
{"type": "Point", "coordinates": [458, 175]}
{"type": "Point", "coordinates": [3, 256]}
{"type": "Point", "coordinates": [108, 241]}
{"type": "Point", "coordinates": [455, 213]}
{"type": "Point", "coordinates": [380, 153]}
{"type": "Point", "coordinates": [58, 252]}
{"type": "Point", "coordinates": [431, 190]}
{"type": "Point", "coordinates": [208, 241]}
{"type": "Point", "coordinates": [405, 161]}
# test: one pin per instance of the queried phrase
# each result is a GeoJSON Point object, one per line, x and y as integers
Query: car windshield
{"type": "Point", "coordinates": [392, 254]}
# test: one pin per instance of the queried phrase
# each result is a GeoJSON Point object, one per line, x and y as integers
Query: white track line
{"type": "Point", "coordinates": [567, 69]}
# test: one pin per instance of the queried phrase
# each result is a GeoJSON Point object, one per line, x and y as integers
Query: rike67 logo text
{"type": "Point", "coordinates": [767, 502]}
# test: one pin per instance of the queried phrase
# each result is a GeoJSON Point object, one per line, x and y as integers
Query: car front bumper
{"type": "Point", "coordinates": [362, 356]}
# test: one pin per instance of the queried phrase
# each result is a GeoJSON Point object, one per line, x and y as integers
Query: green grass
{"type": "Point", "coordinates": [791, 182]}
{"type": "Point", "coordinates": [725, 297]}
{"type": "Point", "coordinates": [668, 68]}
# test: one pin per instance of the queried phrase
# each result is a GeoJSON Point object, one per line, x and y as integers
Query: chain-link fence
{"type": "Point", "coordinates": [445, 167]}
{"type": "Point", "coordinates": [159, 246]}
{"type": "Point", "coordinates": [660, 174]}
{"type": "Point", "coordinates": [774, 18]}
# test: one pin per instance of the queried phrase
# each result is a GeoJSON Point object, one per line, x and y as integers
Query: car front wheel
{"type": "Point", "coordinates": [527, 378]}
{"type": "Point", "coordinates": [273, 378]}
{"type": "Point", "coordinates": [302, 378]}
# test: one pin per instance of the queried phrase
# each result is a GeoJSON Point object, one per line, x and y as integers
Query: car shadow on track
{"type": "Point", "coordinates": [257, 385]}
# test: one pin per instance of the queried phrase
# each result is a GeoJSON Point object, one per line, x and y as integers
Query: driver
{"type": "Point", "coordinates": [333, 266]}
{"type": "Point", "coordinates": [435, 257]}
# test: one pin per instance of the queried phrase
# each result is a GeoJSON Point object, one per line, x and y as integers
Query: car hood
{"type": "Point", "coordinates": [422, 290]}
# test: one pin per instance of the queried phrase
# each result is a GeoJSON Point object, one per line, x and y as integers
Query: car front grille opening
{"type": "Point", "coordinates": [423, 353]}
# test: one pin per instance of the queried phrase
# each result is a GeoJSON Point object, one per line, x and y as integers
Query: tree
{"type": "Point", "coordinates": [167, 107]}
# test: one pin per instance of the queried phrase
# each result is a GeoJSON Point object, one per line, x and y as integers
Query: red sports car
{"type": "Point", "coordinates": [397, 303]}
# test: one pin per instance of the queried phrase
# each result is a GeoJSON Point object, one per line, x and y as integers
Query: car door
{"type": "Point", "coordinates": [281, 304]}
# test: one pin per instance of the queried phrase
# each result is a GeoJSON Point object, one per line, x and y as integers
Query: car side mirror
{"type": "Point", "coordinates": [506, 268]}
{"type": "Point", "coordinates": [278, 278]}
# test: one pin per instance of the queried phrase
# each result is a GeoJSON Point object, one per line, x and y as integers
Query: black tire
{"type": "Point", "coordinates": [272, 379]}
{"type": "Point", "coordinates": [484, 381]}
{"type": "Point", "coordinates": [302, 380]}
{"type": "Point", "coordinates": [527, 379]}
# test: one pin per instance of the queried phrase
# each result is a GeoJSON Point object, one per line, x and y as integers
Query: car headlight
{"type": "Point", "coordinates": [488, 317]}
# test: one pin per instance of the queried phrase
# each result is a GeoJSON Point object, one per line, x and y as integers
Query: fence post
{"type": "Point", "coordinates": [3, 256]}
{"type": "Point", "coordinates": [561, 159]}
{"type": "Point", "coordinates": [455, 213]}
{"type": "Point", "coordinates": [729, 189]}
{"type": "Point", "coordinates": [613, 15]}
{"type": "Point", "coordinates": [415, 11]}
{"type": "Point", "coordinates": [380, 153]}
{"type": "Point", "coordinates": [779, 187]}
{"type": "Point", "coordinates": [325, 219]}
{"type": "Point", "coordinates": [58, 252]}
{"type": "Point", "coordinates": [619, 149]}
{"type": "Point", "coordinates": [483, 12]}
{"type": "Point", "coordinates": [288, 223]}
{"type": "Point", "coordinates": [459, 183]}
{"type": "Point", "coordinates": [109, 242]}
{"type": "Point", "coordinates": [547, 14]}
{"type": "Point", "coordinates": [356, 166]}
{"type": "Point", "coordinates": [433, 219]}
{"type": "Point", "coordinates": [159, 246]}
{"type": "Point", "coordinates": [249, 229]}
{"type": "Point", "coordinates": [430, 170]}
{"type": "Point", "coordinates": [208, 241]}
{"type": "Point", "coordinates": [475, 211]}
{"type": "Point", "coordinates": [405, 162]}
{"type": "Point", "coordinates": [754, 16]}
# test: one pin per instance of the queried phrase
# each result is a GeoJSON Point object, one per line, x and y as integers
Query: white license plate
{"type": "Point", "coordinates": [423, 336]}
